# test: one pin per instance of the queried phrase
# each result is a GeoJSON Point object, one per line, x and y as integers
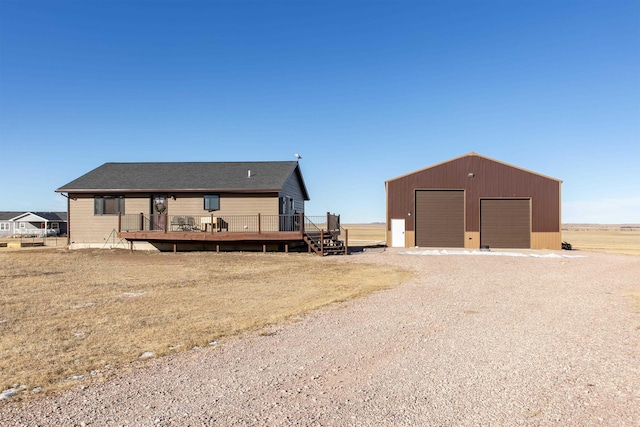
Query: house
{"type": "Point", "coordinates": [193, 205]}
{"type": "Point", "coordinates": [39, 224]}
{"type": "Point", "coordinates": [474, 202]}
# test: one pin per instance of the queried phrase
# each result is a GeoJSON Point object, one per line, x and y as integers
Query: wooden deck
{"type": "Point", "coordinates": [236, 232]}
{"type": "Point", "coordinates": [194, 236]}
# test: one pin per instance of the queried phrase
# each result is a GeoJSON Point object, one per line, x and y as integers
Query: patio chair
{"type": "Point", "coordinates": [191, 224]}
{"type": "Point", "coordinates": [178, 223]}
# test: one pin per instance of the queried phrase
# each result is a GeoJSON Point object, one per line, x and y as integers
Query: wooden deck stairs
{"type": "Point", "coordinates": [326, 242]}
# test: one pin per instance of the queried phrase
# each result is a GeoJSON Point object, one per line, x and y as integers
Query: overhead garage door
{"type": "Point", "coordinates": [439, 218]}
{"type": "Point", "coordinates": [505, 223]}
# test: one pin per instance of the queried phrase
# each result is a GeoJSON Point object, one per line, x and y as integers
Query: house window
{"type": "Point", "coordinates": [4, 226]}
{"type": "Point", "coordinates": [211, 202]}
{"type": "Point", "coordinates": [108, 205]}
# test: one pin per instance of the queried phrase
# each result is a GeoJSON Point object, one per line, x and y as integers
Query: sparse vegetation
{"type": "Point", "coordinates": [603, 238]}
{"type": "Point", "coordinates": [66, 314]}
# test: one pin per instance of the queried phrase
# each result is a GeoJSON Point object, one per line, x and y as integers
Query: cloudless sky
{"type": "Point", "coordinates": [364, 90]}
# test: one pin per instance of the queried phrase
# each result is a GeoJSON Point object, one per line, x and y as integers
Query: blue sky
{"type": "Point", "coordinates": [364, 90]}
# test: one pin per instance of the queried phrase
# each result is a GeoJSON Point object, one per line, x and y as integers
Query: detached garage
{"type": "Point", "coordinates": [473, 201]}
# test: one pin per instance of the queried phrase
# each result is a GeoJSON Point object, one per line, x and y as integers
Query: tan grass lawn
{"type": "Point", "coordinates": [366, 234]}
{"type": "Point", "coordinates": [611, 240]}
{"type": "Point", "coordinates": [68, 313]}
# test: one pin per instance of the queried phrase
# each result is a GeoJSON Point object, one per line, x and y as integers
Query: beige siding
{"type": "Point", "coordinates": [472, 240]}
{"type": "Point", "coordinates": [85, 227]}
{"type": "Point", "coordinates": [230, 204]}
{"type": "Point", "coordinates": [137, 204]}
{"type": "Point", "coordinates": [409, 238]}
{"type": "Point", "coordinates": [546, 241]}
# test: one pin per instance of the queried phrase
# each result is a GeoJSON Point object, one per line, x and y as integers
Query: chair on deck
{"type": "Point", "coordinates": [191, 224]}
{"type": "Point", "coordinates": [178, 223]}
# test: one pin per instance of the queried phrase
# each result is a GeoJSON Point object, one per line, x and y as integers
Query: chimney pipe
{"type": "Point", "coordinates": [249, 173]}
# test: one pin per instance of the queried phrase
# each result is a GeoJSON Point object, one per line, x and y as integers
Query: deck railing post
{"type": "Point", "coordinates": [301, 222]}
{"type": "Point", "coordinates": [346, 241]}
{"type": "Point", "coordinates": [166, 217]}
{"type": "Point", "coordinates": [322, 242]}
{"type": "Point", "coordinates": [259, 224]}
{"type": "Point", "coordinates": [141, 221]}
{"type": "Point", "coordinates": [119, 222]}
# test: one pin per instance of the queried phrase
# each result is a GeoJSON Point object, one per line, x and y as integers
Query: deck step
{"type": "Point", "coordinates": [330, 246]}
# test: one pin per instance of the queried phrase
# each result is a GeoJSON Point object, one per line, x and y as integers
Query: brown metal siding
{"type": "Point", "coordinates": [439, 217]}
{"type": "Point", "coordinates": [505, 223]}
{"type": "Point", "coordinates": [492, 179]}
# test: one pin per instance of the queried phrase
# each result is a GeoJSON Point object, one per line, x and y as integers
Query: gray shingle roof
{"type": "Point", "coordinates": [49, 216]}
{"type": "Point", "coordinates": [186, 176]}
{"type": "Point", "coordinates": [7, 215]}
{"type": "Point", "coordinates": [52, 216]}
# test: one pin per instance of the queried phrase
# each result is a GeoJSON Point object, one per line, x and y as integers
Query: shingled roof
{"type": "Point", "coordinates": [246, 177]}
{"type": "Point", "coordinates": [49, 216]}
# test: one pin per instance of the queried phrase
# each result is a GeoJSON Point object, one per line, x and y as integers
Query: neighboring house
{"type": "Point", "coordinates": [471, 202]}
{"type": "Point", "coordinates": [189, 205]}
{"type": "Point", "coordinates": [39, 224]}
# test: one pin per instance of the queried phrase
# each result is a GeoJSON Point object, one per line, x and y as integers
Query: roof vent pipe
{"type": "Point", "coordinates": [249, 173]}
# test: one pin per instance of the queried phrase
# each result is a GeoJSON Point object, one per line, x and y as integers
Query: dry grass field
{"type": "Point", "coordinates": [622, 239]}
{"type": "Point", "coordinates": [366, 234]}
{"type": "Point", "coordinates": [69, 316]}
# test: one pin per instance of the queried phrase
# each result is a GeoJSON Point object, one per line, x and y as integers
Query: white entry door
{"type": "Point", "coordinates": [397, 233]}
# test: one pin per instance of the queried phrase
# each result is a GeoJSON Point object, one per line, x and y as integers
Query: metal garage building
{"type": "Point", "coordinates": [473, 201]}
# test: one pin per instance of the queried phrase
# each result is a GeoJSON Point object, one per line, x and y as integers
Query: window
{"type": "Point", "coordinates": [4, 226]}
{"type": "Point", "coordinates": [108, 205]}
{"type": "Point", "coordinates": [211, 202]}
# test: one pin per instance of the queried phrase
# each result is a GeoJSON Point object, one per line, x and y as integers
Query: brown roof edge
{"type": "Point", "coordinates": [478, 155]}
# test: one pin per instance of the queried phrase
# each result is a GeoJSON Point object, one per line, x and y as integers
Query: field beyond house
{"type": "Point", "coordinates": [69, 316]}
{"type": "Point", "coordinates": [622, 239]}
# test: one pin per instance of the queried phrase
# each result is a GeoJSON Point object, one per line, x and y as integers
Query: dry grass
{"type": "Point", "coordinates": [599, 238]}
{"type": "Point", "coordinates": [366, 234]}
{"type": "Point", "coordinates": [68, 313]}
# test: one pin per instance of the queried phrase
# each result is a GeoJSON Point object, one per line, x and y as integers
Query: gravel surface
{"type": "Point", "coordinates": [471, 340]}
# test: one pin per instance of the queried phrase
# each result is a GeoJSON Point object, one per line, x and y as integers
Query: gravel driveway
{"type": "Point", "coordinates": [471, 340]}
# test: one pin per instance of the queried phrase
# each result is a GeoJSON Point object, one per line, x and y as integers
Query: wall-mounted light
{"type": "Point", "coordinates": [409, 213]}
{"type": "Point", "coordinates": [173, 197]}
{"type": "Point", "coordinates": [471, 174]}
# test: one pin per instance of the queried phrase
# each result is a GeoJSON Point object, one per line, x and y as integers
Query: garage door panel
{"type": "Point", "coordinates": [505, 223]}
{"type": "Point", "coordinates": [440, 218]}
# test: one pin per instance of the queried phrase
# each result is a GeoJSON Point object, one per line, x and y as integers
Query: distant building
{"type": "Point", "coordinates": [471, 202]}
{"type": "Point", "coordinates": [40, 224]}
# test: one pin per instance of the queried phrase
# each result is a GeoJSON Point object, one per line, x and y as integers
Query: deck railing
{"type": "Point", "coordinates": [210, 223]}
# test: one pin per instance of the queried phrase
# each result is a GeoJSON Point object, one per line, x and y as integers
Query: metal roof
{"type": "Point", "coordinates": [473, 154]}
{"type": "Point", "coordinates": [187, 176]}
